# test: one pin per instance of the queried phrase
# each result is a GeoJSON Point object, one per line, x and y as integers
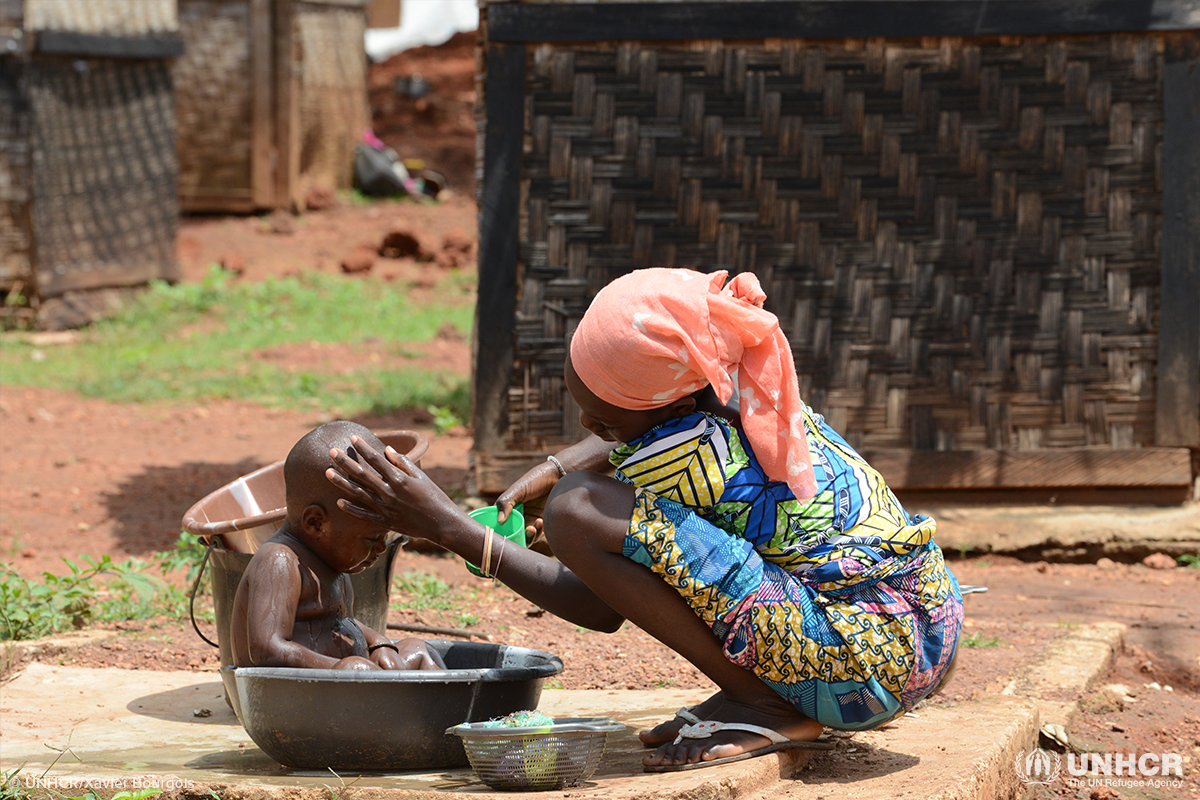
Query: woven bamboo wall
{"type": "Point", "coordinates": [333, 91]}
{"type": "Point", "coordinates": [213, 98]}
{"type": "Point", "coordinates": [108, 17]}
{"type": "Point", "coordinates": [960, 236]}
{"type": "Point", "coordinates": [12, 13]}
{"type": "Point", "coordinates": [272, 100]}
{"type": "Point", "coordinates": [105, 188]}
{"type": "Point", "coordinates": [16, 259]}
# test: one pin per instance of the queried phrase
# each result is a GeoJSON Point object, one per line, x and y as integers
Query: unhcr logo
{"type": "Point", "coordinates": [1038, 766]}
{"type": "Point", "coordinates": [1158, 770]}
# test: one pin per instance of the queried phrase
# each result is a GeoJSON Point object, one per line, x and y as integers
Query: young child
{"type": "Point", "coordinates": [738, 529]}
{"type": "Point", "coordinates": [293, 607]}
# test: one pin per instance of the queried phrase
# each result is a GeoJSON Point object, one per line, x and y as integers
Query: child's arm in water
{"type": "Point", "coordinates": [400, 654]}
{"type": "Point", "coordinates": [272, 586]}
{"type": "Point", "coordinates": [406, 654]}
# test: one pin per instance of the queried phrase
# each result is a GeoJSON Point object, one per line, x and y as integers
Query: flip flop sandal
{"type": "Point", "coordinates": [704, 730]}
{"type": "Point", "coordinates": [687, 715]}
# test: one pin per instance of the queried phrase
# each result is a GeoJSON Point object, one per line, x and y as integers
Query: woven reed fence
{"type": "Point", "coordinates": [103, 17]}
{"type": "Point", "coordinates": [104, 173]}
{"type": "Point", "coordinates": [272, 100]}
{"type": "Point", "coordinates": [16, 257]}
{"type": "Point", "coordinates": [333, 90]}
{"type": "Point", "coordinates": [214, 102]}
{"type": "Point", "coordinates": [87, 132]}
{"type": "Point", "coordinates": [960, 235]}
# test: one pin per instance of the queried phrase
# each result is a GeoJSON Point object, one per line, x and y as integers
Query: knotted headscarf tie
{"type": "Point", "coordinates": [656, 335]}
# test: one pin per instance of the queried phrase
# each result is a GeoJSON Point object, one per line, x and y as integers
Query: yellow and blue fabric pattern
{"type": "Point", "coordinates": [843, 604]}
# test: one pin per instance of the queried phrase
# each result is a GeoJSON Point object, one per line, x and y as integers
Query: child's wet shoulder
{"type": "Point", "coordinates": [274, 554]}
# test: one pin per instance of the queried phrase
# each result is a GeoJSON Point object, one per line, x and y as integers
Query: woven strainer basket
{"type": "Point", "coordinates": [538, 758]}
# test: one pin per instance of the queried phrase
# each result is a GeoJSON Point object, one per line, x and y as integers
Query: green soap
{"type": "Point", "coordinates": [521, 719]}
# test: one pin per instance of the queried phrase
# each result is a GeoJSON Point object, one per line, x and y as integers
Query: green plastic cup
{"type": "Point", "coordinates": [512, 529]}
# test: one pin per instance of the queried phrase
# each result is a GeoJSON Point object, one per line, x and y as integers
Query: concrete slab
{"type": "Point", "coordinates": [1068, 532]}
{"type": "Point", "coordinates": [65, 727]}
{"type": "Point", "coordinates": [966, 751]}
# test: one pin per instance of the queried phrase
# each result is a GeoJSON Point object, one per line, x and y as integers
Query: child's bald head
{"type": "Point", "coordinates": [304, 469]}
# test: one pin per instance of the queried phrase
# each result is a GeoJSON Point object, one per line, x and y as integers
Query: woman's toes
{"type": "Point", "coordinates": [662, 732]}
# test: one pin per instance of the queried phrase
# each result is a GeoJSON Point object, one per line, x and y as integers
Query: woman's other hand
{"type": "Point", "coordinates": [531, 489]}
{"type": "Point", "coordinates": [534, 486]}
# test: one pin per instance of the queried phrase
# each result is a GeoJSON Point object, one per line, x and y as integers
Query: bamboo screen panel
{"type": "Point", "coordinates": [108, 17]}
{"type": "Point", "coordinates": [960, 236]}
{"type": "Point", "coordinates": [12, 13]}
{"type": "Point", "coordinates": [333, 91]}
{"type": "Point", "coordinates": [105, 207]}
{"type": "Point", "coordinates": [16, 256]}
{"type": "Point", "coordinates": [214, 97]}
{"type": "Point", "coordinates": [16, 265]}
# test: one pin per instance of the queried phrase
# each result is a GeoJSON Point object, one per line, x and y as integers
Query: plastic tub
{"type": "Point", "coordinates": [386, 721]}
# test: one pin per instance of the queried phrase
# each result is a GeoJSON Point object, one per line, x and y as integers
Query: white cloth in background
{"type": "Point", "coordinates": [422, 22]}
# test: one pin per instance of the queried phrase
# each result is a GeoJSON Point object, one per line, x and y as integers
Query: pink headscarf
{"type": "Point", "coordinates": [656, 335]}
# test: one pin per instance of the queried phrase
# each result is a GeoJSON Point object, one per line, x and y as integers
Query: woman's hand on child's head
{"type": "Point", "coordinates": [370, 485]}
{"type": "Point", "coordinates": [388, 488]}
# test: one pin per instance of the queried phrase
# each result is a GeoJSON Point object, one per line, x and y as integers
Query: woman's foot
{"type": "Point", "coordinates": [667, 731]}
{"type": "Point", "coordinates": [776, 714]}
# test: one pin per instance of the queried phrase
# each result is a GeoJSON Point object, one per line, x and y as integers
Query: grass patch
{"type": "Point", "coordinates": [979, 640]}
{"type": "Point", "coordinates": [423, 592]}
{"type": "Point", "coordinates": [98, 590]}
{"type": "Point", "coordinates": [193, 342]}
{"type": "Point", "coordinates": [466, 619]}
{"type": "Point", "coordinates": [418, 590]}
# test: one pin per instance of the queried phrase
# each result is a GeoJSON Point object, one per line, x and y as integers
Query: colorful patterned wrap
{"type": "Point", "coordinates": [842, 604]}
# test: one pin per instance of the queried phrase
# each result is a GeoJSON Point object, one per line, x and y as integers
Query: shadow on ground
{"type": "Point", "coordinates": [148, 508]}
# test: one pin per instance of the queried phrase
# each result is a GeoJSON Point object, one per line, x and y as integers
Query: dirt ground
{"type": "Point", "coordinates": [82, 476]}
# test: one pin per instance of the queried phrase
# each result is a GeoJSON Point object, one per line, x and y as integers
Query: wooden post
{"type": "Point", "coordinates": [499, 222]}
{"type": "Point", "coordinates": [287, 106]}
{"type": "Point", "coordinates": [383, 14]}
{"type": "Point", "coordinates": [1177, 414]}
{"type": "Point", "coordinates": [262, 92]}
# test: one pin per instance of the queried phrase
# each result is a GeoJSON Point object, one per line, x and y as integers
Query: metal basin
{"type": "Point", "coordinates": [353, 721]}
{"type": "Point", "coordinates": [248, 511]}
